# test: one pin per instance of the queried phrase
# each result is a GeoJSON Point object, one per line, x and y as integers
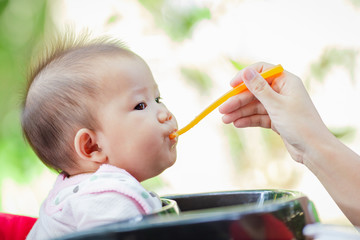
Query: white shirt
{"type": "Point", "coordinates": [88, 200]}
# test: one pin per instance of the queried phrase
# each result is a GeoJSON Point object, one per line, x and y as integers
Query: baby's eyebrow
{"type": "Point", "coordinates": [139, 90]}
{"type": "Point", "coordinates": [144, 89]}
{"type": "Point", "coordinates": [156, 88]}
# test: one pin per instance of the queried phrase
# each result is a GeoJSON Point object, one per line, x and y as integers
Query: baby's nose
{"type": "Point", "coordinates": [164, 116]}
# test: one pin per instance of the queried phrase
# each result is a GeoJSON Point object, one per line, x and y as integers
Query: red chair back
{"type": "Point", "coordinates": [15, 227]}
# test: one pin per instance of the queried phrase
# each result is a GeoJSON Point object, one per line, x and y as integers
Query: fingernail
{"type": "Point", "coordinates": [249, 74]}
{"type": "Point", "coordinates": [235, 79]}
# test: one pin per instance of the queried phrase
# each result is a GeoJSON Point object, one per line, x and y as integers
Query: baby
{"type": "Point", "coordinates": [93, 113]}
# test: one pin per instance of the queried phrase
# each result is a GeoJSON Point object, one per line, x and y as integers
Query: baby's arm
{"type": "Point", "coordinates": [287, 108]}
{"type": "Point", "coordinates": [91, 210]}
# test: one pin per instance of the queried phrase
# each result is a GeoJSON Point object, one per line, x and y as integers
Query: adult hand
{"type": "Point", "coordinates": [284, 106]}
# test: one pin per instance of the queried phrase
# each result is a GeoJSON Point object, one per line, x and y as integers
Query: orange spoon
{"type": "Point", "coordinates": [236, 90]}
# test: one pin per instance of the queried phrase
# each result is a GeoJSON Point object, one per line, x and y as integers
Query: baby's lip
{"type": "Point", "coordinates": [171, 133]}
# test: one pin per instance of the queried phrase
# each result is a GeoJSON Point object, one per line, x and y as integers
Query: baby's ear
{"type": "Point", "coordinates": [87, 146]}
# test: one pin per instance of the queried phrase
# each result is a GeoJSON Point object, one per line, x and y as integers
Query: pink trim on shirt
{"type": "Point", "coordinates": [125, 189]}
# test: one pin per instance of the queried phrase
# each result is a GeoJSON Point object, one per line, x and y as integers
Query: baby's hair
{"type": "Point", "coordinates": [61, 86]}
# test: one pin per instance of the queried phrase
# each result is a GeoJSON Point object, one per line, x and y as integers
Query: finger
{"type": "Point", "coordinates": [253, 108]}
{"type": "Point", "coordinates": [237, 79]}
{"type": "Point", "coordinates": [259, 87]}
{"type": "Point", "coordinates": [259, 67]}
{"type": "Point", "coordinates": [236, 102]}
{"type": "Point", "coordinates": [254, 121]}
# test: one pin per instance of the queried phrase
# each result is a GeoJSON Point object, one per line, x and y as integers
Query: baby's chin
{"type": "Point", "coordinates": [169, 164]}
{"type": "Point", "coordinates": [172, 162]}
{"type": "Point", "coordinates": [173, 156]}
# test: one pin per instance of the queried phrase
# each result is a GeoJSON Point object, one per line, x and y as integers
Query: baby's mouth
{"type": "Point", "coordinates": [173, 134]}
{"type": "Point", "coordinates": [173, 139]}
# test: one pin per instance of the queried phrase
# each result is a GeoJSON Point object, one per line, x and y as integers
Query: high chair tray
{"type": "Point", "coordinates": [249, 214]}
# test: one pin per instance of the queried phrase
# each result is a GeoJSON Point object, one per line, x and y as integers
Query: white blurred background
{"type": "Point", "coordinates": [316, 40]}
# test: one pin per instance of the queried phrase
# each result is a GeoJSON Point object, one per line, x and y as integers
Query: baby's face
{"type": "Point", "coordinates": [135, 124]}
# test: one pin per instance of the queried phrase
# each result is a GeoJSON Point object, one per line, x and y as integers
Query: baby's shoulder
{"type": "Point", "coordinates": [109, 178]}
{"type": "Point", "coordinates": [112, 179]}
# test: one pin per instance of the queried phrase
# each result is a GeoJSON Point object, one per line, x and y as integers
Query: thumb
{"type": "Point", "coordinates": [258, 86]}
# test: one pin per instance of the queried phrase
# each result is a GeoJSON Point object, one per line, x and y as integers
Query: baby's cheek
{"type": "Point", "coordinates": [150, 138]}
{"type": "Point", "coordinates": [174, 119]}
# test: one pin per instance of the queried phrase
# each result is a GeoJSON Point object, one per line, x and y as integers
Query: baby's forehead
{"type": "Point", "coordinates": [123, 71]}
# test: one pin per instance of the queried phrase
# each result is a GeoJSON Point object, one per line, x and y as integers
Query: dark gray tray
{"type": "Point", "coordinates": [253, 214]}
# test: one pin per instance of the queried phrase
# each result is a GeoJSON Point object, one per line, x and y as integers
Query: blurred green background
{"type": "Point", "coordinates": [23, 25]}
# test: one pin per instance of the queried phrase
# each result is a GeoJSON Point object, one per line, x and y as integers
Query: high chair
{"type": "Point", "coordinates": [15, 227]}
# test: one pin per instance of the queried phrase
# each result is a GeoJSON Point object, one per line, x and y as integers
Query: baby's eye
{"type": "Point", "coordinates": [140, 106]}
{"type": "Point", "coordinates": [158, 99]}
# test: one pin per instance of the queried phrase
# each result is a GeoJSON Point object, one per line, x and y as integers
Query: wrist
{"type": "Point", "coordinates": [337, 168]}
{"type": "Point", "coordinates": [322, 149]}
